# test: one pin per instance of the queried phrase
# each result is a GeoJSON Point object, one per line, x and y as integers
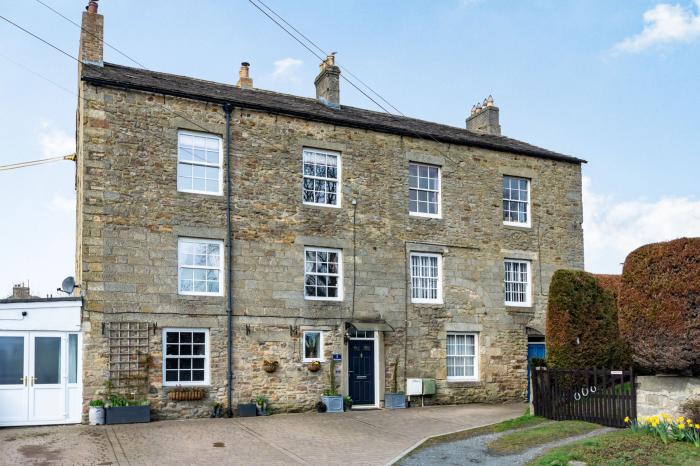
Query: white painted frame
{"type": "Point", "coordinates": [439, 191]}
{"type": "Point", "coordinates": [377, 401]}
{"type": "Point", "coordinates": [340, 274]}
{"type": "Point", "coordinates": [439, 299]}
{"type": "Point", "coordinates": [528, 223]}
{"type": "Point", "coordinates": [339, 189]}
{"type": "Point", "coordinates": [528, 285]}
{"type": "Point", "coordinates": [222, 277]}
{"type": "Point", "coordinates": [220, 165]}
{"type": "Point", "coordinates": [320, 357]}
{"type": "Point", "coordinates": [207, 358]}
{"type": "Point", "coordinates": [477, 365]}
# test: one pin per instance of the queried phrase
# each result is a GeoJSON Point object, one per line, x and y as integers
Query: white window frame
{"type": "Point", "coordinates": [220, 165]}
{"type": "Point", "coordinates": [439, 191]}
{"type": "Point", "coordinates": [320, 357]}
{"type": "Point", "coordinates": [207, 357]}
{"type": "Point", "coordinates": [465, 378]}
{"type": "Point", "coordinates": [340, 274]}
{"type": "Point", "coordinates": [528, 223]}
{"type": "Point", "coordinates": [528, 284]}
{"type": "Point", "coordinates": [339, 185]}
{"type": "Point", "coordinates": [439, 299]}
{"type": "Point", "coordinates": [220, 268]}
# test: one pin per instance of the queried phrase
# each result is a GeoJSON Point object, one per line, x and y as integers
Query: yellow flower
{"type": "Point", "coordinates": [689, 421]}
{"type": "Point", "coordinates": [680, 419]}
{"type": "Point", "coordinates": [681, 426]}
{"type": "Point", "coordinates": [627, 419]}
{"type": "Point", "coordinates": [697, 426]}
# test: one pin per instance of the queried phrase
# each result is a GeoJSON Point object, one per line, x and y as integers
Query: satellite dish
{"type": "Point", "coordinates": [68, 285]}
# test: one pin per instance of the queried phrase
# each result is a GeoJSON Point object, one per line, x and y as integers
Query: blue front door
{"type": "Point", "coordinates": [361, 371]}
{"type": "Point", "coordinates": [534, 350]}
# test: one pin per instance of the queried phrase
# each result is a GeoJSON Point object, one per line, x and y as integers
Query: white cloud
{"type": "Point", "coordinates": [613, 229]}
{"type": "Point", "coordinates": [61, 203]}
{"type": "Point", "coordinates": [286, 69]}
{"type": "Point", "coordinates": [664, 24]}
{"type": "Point", "coordinates": [54, 141]}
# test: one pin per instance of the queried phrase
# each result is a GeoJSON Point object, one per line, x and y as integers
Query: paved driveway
{"type": "Point", "coordinates": [357, 437]}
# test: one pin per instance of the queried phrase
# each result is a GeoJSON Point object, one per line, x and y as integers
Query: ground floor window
{"type": "Point", "coordinates": [185, 356]}
{"type": "Point", "coordinates": [313, 345]}
{"type": "Point", "coordinates": [462, 360]}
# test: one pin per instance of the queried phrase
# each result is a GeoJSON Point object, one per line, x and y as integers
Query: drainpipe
{"type": "Point", "coordinates": [229, 265]}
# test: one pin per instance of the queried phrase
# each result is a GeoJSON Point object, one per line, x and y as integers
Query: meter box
{"type": "Point", "coordinates": [428, 386]}
{"type": "Point", "coordinates": [414, 387]}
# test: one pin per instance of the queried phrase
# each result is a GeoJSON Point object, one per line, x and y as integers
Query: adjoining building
{"type": "Point", "coordinates": [220, 226]}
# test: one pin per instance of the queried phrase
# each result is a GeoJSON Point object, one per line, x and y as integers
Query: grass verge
{"type": "Point", "coordinates": [515, 442]}
{"type": "Point", "coordinates": [525, 420]}
{"type": "Point", "coordinates": [622, 448]}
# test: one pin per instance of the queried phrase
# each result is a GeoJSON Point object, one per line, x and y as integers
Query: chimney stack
{"type": "Point", "coordinates": [484, 118]}
{"type": "Point", "coordinates": [244, 79]}
{"type": "Point", "coordinates": [91, 36]}
{"type": "Point", "coordinates": [20, 291]}
{"type": "Point", "coordinates": [328, 83]}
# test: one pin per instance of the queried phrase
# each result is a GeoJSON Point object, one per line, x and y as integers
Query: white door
{"type": "Point", "coordinates": [14, 372]}
{"type": "Point", "coordinates": [47, 377]}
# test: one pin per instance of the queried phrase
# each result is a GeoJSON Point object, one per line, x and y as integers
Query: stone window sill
{"type": "Point", "coordinates": [465, 383]}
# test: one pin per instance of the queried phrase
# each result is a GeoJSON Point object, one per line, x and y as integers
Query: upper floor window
{"type": "Point", "coordinates": [426, 278]}
{"type": "Point", "coordinates": [199, 160]}
{"type": "Point", "coordinates": [423, 190]}
{"type": "Point", "coordinates": [185, 356]}
{"type": "Point", "coordinates": [321, 184]}
{"type": "Point", "coordinates": [323, 275]}
{"type": "Point", "coordinates": [200, 267]}
{"type": "Point", "coordinates": [462, 360]}
{"type": "Point", "coordinates": [517, 281]}
{"type": "Point", "coordinates": [516, 201]}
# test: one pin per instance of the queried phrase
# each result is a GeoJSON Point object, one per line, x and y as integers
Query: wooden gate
{"type": "Point", "coordinates": [602, 396]}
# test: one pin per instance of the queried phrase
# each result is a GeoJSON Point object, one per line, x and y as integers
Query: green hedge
{"type": "Point", "coordinates": [660, 306]}
{"type": "Point", "coordinates": [582, 329]}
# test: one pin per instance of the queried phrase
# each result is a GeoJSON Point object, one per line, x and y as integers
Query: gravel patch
{"type": "Point", "coordinates": [475, 451]}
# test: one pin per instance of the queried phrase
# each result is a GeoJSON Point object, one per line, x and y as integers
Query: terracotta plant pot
{"type": "Point", "coordinates": [270, 366]}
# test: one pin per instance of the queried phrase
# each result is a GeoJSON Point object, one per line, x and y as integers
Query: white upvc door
{"type": "Point", "coordinates": [48, 376]}
{"type": "Point", "coordinates": [14, 375]}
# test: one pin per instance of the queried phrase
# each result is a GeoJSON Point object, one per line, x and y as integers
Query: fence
{"type": "Point", "coordinates": [602, 396]}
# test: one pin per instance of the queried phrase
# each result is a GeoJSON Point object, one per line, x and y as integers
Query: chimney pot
{"type": "Point", "coordinates": [328, 83]}
{"type": "Point", "coordinates": [244, 79]}
{"type": "Point", "coordinates": [485, 118]}
{"type": "Point", "coordinates": [92, 6]}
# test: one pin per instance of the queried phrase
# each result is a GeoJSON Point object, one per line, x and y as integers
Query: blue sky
{"type": "Point", "coordinates": [612, 82]}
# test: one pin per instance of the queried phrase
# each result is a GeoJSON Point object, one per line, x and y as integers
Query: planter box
{"type": "Point", "coordinates": [334, 404]}
{"type": "Point", "coordinates": [247, 410]}
{"type": "Point", "coordinates": [127, 414]}
{"type": "Point", "coordinates": [394, 400]}
{"type": "Point", "coordinates": [186, 395]}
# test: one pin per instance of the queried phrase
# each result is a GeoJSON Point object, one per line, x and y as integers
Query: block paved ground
{"type": "Point", "coordinates": [357, 437]}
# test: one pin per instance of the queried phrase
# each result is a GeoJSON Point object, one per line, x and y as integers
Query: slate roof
{"type": "Point", "coordinates": [307, 108]}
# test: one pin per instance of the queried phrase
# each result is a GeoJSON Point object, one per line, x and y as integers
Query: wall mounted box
{"type": "Point", "coordinates": [414, 387]}
{"type": "Point", "coordinates": [429, 387]}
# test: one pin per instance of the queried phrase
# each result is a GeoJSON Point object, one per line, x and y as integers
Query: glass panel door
{"type": "Point", "coordinates": [47, 360]}
{"type": "Point", "coordinates": [48, 377]}
{"type": "Point", "coordinates": [11, 360]}
{"type": "Point", "coordinates": [14, 357]}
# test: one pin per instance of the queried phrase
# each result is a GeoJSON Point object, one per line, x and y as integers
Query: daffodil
{"type": "Point", "coordinates": [697, 426]}
{"type": "Point", "coordinates": [681, 426]}
{"type": "Point", "coordinates": [627, 419]}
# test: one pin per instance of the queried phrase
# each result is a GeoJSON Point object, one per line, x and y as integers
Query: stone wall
{"type": "Point", "coordinates": [664, 394]}
{"type": "Point", "coordinates": [130, 217]}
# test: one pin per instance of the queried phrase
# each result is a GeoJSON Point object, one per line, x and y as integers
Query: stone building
{"type": "Point", "coordinates": [332, 233]}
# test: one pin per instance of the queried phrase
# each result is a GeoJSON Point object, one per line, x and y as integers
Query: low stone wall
{"type": "Point", "coordinates": [657, 394]}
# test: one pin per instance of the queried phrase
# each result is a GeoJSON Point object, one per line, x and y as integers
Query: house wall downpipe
{"type": "Point", "coordinates": [228, 108]}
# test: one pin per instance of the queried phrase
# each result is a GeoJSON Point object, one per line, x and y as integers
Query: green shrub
{"type": "Point", "coordinates": [660, 306]}
{"type": "Point", "coordinates": [582, 329]}
{"type": "Point", "coordinates": [96, 404]}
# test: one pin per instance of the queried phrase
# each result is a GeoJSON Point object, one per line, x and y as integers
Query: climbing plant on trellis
{"type": "Point", "coordinates": [129, 356]}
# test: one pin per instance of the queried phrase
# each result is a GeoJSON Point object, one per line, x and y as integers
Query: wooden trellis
{"type": "Point", "coordinates": [129, 355]}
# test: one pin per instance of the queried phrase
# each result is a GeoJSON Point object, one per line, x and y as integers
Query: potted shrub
{"type": "Point", "coordinates": [247, 410]}
{"type": "Point", "coordinates": [217, 409]}
{"type": "Point", "coordinates": [97, 412]}
{"type": "Point", "coordinates": [314, 366]}
{"type": "Point", "coordinates": [119, 410]}
{"type": "Point", "coordinates": [395, 399]}
{"type": "Point", "coordinates": [347, 403]}
{"type": "Point", "coordinates": [331, 398]}
{"type": "Point", "coordinates": [270, 366]}
{"type": "Point", "coordinates": [263, 406]}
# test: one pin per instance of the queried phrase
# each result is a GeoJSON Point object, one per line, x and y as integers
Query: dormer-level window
{"type": "Point", "coordinates": [516, 201]}
{"type": "Point", "coordinates": [199, 161]}
{"type": "Point", "coordinates": [321, 183]}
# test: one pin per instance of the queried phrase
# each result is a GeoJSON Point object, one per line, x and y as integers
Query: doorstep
{"type": "Point", "coordinates": [365, 408]}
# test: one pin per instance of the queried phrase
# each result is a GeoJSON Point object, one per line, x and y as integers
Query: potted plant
{"type": "Point", "coordinates": [395, 399]}
{"type": "Point", "coordinates": [263, 406]}
{"type": "Point", "coordinates": [270, 366]}
{"type": "Point", "coordinates": [119, 410]}
{"type": "Point", "coordinates": [97, 412]}
{"type": "Point", "coordinates": [331, 398]}
{"type": "Point", "coordinates": [247, 410]}
{"type": "Point", "coordinates": [347, 403]}
{"type": "Point", "coordinates": [180, 393]}
{"type": "Point", "coordinates": [217, 409]}
{"type": "Point", "coordinates": [314, 366]}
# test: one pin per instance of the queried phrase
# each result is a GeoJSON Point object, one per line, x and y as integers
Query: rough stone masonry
{"type": "Point", "coordinates": [131, 215]}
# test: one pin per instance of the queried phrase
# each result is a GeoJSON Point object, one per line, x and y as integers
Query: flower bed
{"type": "Point", "coordinates": [666, 428]}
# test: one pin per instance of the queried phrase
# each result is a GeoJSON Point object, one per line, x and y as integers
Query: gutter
{"type": "Point", "coordinates": [228, 108]}
{"type": "Point", "coordinates": [335, 121]}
